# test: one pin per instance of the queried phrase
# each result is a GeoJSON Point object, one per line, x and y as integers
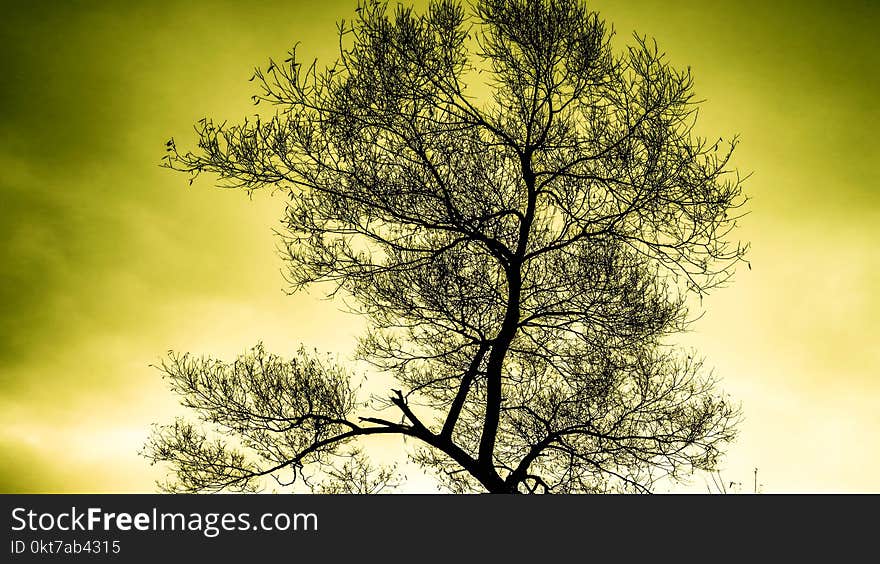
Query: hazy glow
{"type": "Point", "coordinates": [107, 261]}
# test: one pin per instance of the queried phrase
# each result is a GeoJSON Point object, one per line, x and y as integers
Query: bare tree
{"type": "Point", "coordinates": [522, 213]}
{"type": "Point", "coordinates": [721, 486]}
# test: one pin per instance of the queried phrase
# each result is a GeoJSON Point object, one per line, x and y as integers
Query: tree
{"type": "Point", "coordinates": [523, 214]}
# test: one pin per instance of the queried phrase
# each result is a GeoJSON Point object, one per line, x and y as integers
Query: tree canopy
{"type": "Point", "coordinates": [522, 212]}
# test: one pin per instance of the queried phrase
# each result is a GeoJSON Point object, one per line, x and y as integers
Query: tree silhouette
{"type": "Point", "coordinates": [522, 212]}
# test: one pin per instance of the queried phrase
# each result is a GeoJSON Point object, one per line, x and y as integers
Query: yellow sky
{"type": "Point", "coordinates": [108, 261]}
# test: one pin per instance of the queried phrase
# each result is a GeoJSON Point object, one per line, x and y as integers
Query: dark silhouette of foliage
{"type": "Point", "coordinates": [522, 213]}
